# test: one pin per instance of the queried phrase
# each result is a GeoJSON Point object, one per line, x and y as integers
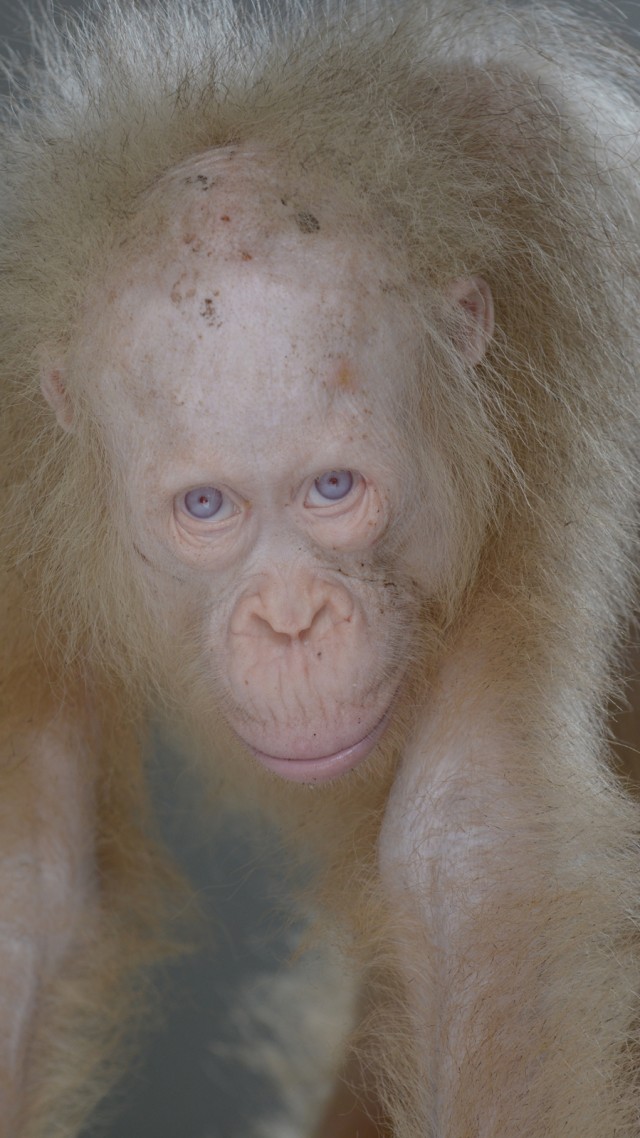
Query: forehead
{"type": "Point", "coordinates": [239, 285]}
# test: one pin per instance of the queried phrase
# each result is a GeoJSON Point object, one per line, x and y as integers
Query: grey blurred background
{"type": "Point", "coordinates": [189, 1081]}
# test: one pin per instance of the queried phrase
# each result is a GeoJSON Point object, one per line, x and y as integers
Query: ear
{"type": "Point", "coordinates": [55, 392]}
{"type": "Point", "coordinates": [473, 296]}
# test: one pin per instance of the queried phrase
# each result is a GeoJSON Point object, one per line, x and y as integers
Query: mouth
{"type": "Point", "coordinates": [326, 767]}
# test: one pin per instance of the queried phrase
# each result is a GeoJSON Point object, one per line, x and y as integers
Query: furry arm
{"type": "Point", "coordinates": [46, 850]}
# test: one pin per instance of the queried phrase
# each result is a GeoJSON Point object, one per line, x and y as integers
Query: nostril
{"type": "Point", "coordinates": [264, 630]}
{"type": "Point", "coordinates": [313, 628]}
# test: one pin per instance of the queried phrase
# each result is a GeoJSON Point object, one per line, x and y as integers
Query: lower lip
{"type": "Point", "coordinates": [326, 767]}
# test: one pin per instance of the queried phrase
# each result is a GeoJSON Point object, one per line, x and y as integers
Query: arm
{"type": "Point", "coordinates": [47, 860]}
{"type": "Point", "coordinates": [353, 1111]}
{"type": "Point", "coordinates": [511, 861]}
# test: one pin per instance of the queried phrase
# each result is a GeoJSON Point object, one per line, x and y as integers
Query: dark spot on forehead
{"type": "Point", "coordinates": [209, 313]}
{"type": "Point", "coordinates": [306, 222]}
{"type": "Point", "coordinates": [203, 181]}
{"type": "Point", "coordinates": [193, 241]}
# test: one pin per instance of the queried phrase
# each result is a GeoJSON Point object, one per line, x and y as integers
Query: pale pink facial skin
{"type": "Point", "coordinates": [252, 348]}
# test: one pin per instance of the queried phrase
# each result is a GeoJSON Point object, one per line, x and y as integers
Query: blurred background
{"type": "Point", "coordinates": [190, 1080]}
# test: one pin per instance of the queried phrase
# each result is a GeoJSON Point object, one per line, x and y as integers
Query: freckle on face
{"type": "Point", "coordinates": [345, 379]}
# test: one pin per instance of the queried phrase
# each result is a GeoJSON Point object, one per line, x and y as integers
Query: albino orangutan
{"type": "Point", "coordinates": [319, 443]}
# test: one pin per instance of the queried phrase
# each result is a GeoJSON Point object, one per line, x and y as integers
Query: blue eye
{"type": "Point", "coordinates": [203, 502]}
{"type": "Point", "coordinates": [334, 485]}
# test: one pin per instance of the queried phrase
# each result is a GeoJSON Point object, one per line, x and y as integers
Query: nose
{"type": "Point", "coordinates": [285, 610]}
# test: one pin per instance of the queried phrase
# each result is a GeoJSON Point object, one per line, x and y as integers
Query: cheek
{"type": "Point", "coordinates": [431, 534]}
{"type": "Point", "coordinates": [178, 599]}
{"type": "Point", "coordinates": [355, 530]}
{"type": "Point", "coordinates": [430, 555]}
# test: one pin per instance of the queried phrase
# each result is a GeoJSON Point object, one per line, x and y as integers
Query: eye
{"type": "Point", "coordinates": [207, 502]}
{"type": "Point", "coordinates": [332, 486]}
